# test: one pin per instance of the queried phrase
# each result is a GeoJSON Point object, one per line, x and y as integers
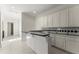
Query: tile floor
{"type": "Point", "coordinates": [18, 46]}
{"type": "Point", "coordinates": [15, 47]}
{"type": "Point", "coordinates": [54, 50]}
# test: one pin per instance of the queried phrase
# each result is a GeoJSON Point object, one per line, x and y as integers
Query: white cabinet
{"type": "Point", "coordinates": [41, 22]}
{"type": "Point", "coordinates": [49, 21]}
{"type": "Point", "coordinates": [63, 18]}
{"type": "Point", "coordinates": [55, 18]}
{"type": "Point", "coordinates": [53, 41]}
{"type": "Point", "coordinates": [0, 29]}
{"type": "Point", "coordinates": [38, 23]}
{"type": "Point", "coordinates": [60, 41]}
{"type": "Point", "coordinates": [74, 16]}
{"type": "Point", "coordinates": [38, 44]}
{"type": "Point", "coordinates": [52, 37]}
{"type": "Point", "coordinates": [44, 21]}
{"type": "Point", "coordinates": [72, 44]}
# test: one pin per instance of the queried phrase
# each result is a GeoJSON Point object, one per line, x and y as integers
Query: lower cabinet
{"type": "Point", "coordinates": [72, 44]}
{"type": "Point", "coordinates": [60, 41]}
{"type": "Point", "coordinates": [52, 36]}
{"type": "Point", "coordinates": [68, 43]}
{"type": "Point", "coordinates": [52, 41]}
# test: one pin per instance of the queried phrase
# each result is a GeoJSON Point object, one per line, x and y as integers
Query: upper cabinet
{"type": "Point", "coordinates": [38, 24]}
{"type": "Point", "coordinates": [45, 19]}
{"type": "Point", "coordinates": [41, 22]}
{"type": "Point", "coordinates": [49, 21]}
{"type": "Point", "coordinates": [74, 16]}
{"type": "Point", "coordinates": [68, 17]}
{"type": "Point", "coordinates": [55, 18]}
{"type": "Point", "coordinates": [63, 18]}
{"type": "Point", "coordinates": [58, 19]}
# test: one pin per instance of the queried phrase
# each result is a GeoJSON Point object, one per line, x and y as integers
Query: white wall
{"type": "Point", "coordinates": [28, 22]}
{"type": "Point", "coordinates": [0, 28]}
{"type": "Point", "coordinates": [14, 17]}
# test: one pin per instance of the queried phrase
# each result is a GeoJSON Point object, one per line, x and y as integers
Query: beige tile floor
{"type": "Point", "coordinates": [18, 46]}
{"type": "Point", "coordinates": [15, 47]}
{"type": "Point", "coordinates": [54, 50]}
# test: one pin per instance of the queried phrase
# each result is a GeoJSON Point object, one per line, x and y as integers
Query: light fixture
{"type": "Point", "coordinates": [34, 12]}
{"type": "Point", "coordinates": [13, 7]}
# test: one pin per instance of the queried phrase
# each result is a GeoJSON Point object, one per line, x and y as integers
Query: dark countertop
{"type": "Point", "coordinates": [50, 32]}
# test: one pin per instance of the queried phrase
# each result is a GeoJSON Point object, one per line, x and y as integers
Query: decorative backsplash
{"type": "Point", "coordinates": [63, 30]}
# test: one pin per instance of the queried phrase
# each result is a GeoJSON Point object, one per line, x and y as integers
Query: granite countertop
{"type": "Point", "coordinates": [40, 32]}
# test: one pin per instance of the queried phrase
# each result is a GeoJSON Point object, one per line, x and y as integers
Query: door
{"type": "Point", "coordinates": [10, 29]}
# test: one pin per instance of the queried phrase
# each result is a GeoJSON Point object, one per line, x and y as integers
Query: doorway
{"type": "Point", "coordinates": [10, 29]}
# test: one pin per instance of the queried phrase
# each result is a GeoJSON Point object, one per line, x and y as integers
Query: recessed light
{"type": "Point", "coordinates": [13, 7]}
{"type": "Point", "coordinates": [34, 12]}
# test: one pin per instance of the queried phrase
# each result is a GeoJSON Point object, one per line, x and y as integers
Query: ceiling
{"type": "Point", "coordinates": [32, 9]}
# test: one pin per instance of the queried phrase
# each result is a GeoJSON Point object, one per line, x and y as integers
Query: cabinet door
{"type": "Point", "coordinates": [53, 41]}
{"type": "Point", "coordinates": [52, 36]}
{"type": "Point", "coordinates": [38, 23]}
{"type": "Point", "coordinates": [41, 22]}
{"type": "Point", "coordinates": [63, 15]}
{"type": "Point", "coordinates": [55, 18]}
{"type": "Point", "coordinates": [74, 16]}
{"type": "Point", "coordinates": [60, 42]}
{"type": "Point", "coordinates": [72, 44]}
{"type": "Point", "coordinates": [44, 21]}
{"type": "Point", "coordinates": [49, 21]}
